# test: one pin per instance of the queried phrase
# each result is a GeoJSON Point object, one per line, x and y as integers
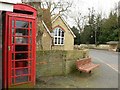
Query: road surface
{"type": "Point", "coordinates": [106, 57]}
{"type": "Point", "coordinates": [108, 66]}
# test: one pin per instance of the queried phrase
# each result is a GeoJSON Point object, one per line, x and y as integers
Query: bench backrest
{"type": "Point", "coordinates": [83, 61]}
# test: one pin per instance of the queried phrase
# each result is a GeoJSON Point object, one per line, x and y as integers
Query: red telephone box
{"type": "Point", "coordinates": [19, 53]}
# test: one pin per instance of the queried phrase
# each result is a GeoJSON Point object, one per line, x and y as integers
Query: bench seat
{"type": "Point", "coordinates": [85, 65]}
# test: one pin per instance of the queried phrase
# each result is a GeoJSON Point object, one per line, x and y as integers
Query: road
{"type": "Point", "coordinates": [108, 66]}
{"type": "Point", "coordinates": [106, 57]}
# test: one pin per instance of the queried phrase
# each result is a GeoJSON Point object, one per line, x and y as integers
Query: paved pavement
{"type": "Point", "coordinates": [106, 76]}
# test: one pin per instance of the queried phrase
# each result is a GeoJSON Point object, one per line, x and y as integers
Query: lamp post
{"type": "Point", "coordinates": [96, 35]}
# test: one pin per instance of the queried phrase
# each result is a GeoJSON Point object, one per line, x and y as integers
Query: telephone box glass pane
{"type": "Point", "coordinates": [30, 40]}
{"type": "Point", "coordinates": [21, 56]}
{"type": "Point", "coordinates": [30, 32]}
{"type": "Point", "coordinates": [21, 32]}
{"type": "Point", "coordinates": [21, 64]}
{"type": "Point", "coordinates": [30, 24]}
{"type": "Point", "coordinates": [12, 80]}
{"type": "Point", "coordinates": [21, 24]}
{"type": "Point", "coordinates": [12, 56]}
{"type": "Point", "coordinates": [29, 64]}
{"type": "Point", "coordinates": [12, 23]}
{"type": "Point", "coordinates": [29, 78]}
{"type": "Point", "coordinates": [12, 72]}
{"type": "Point", "coordinates": [21, 71]}
{"type": "Point", "coordinates": [13, 31]}
{"type": "Point", "coordinates": [12, 39]}
{"type": "Point", "coordinates": [22, 79]}
{"type": "Point", "coordinates": [12, 64]}
{"type": "Point", "coordinates": [21, 48]}
{"type": "Point", "coordinates": [21, 40]}
{"type": "Point", "coordinates": [30, 55]}
{"type": "Point", "coordinates": [30, 48]}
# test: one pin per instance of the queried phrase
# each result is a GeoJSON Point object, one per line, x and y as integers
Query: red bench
{"type": "Point", "coordinates": [85, 65]}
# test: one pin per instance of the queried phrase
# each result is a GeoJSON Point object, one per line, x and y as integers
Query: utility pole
{"type": "Point", "coordinates": [96, 35]}
{"type": "Point", "coordinates": [92, 21]}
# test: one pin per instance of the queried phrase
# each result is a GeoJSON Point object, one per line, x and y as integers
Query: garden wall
{"type": "Point", "coordinates": [92, 46]}
{"type": "Point", "coordinates": [57, 62]}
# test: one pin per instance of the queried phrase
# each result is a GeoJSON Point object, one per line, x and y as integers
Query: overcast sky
{"type": "Point", "coordinates": [99, 5]}
{"type": "Point", "coordinates": [104, 6]}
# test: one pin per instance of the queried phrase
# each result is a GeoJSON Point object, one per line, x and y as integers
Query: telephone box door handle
{"type": "Point", "coordinates": [8, 48]}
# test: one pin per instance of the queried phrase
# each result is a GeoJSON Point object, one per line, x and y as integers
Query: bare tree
{"type": "Point", "coordinates": [54, 7]}
{"type": "Point", "coordinates": [79, 21]}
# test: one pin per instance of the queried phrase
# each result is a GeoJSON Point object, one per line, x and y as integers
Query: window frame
{"type": "Point", "coordinates": [58, 35]}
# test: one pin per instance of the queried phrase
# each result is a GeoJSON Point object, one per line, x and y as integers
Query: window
{"type": "Point", "coordinates": [21, 24]}
{"type": "Point", "coordinates": [58, 36]}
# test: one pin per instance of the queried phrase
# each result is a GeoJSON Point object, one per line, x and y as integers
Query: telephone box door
{"type": "Point", "coordinates": [21, 50]}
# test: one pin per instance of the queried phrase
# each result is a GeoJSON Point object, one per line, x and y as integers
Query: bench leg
{"type": "Point", "coordinates": [89, 71]}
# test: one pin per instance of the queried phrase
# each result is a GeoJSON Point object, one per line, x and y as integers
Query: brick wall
{"type": "Point", "coordinates": [57, 62]}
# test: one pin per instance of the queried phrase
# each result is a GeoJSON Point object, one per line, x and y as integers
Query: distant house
{"type": "Point", "coordinates": [60, 37]}
{"type": "Point", "coordinates": [113, 45]}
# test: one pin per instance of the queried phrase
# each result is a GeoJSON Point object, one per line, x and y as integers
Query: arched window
{"type": "Point", "coordinates": [58, 36]}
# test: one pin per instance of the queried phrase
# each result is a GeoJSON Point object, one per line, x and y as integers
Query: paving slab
{"type": "Point", "coordinates": [102, 77]}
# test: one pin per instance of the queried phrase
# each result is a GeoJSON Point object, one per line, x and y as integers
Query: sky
{"type": "Point", "coordinates": [99, 5]}
{"type": "Point", "coordinates": [104, 6]}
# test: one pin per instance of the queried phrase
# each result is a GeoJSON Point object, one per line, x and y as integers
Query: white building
{"type": "Point", "coordinates": [7, 5]}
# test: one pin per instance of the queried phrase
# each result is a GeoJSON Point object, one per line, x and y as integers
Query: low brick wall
{"type": "Point", "coordinates": [103, 47]}
{"type": "Point", "coordinates": [92, 46]}
{"type": "Point", "coordinates": [57, 62]}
